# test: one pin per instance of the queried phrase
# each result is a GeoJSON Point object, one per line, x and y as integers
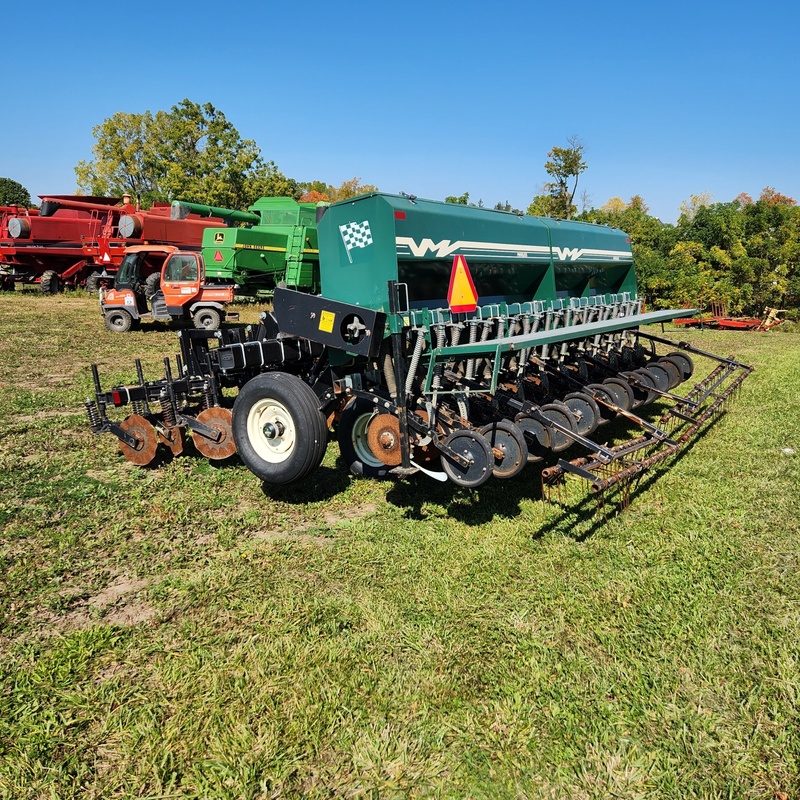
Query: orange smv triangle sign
{"type": "Point", "coordinates": [461, 296]}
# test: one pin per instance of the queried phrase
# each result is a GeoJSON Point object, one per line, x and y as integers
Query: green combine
{"type": "Point", "coordinates": [273, 242]}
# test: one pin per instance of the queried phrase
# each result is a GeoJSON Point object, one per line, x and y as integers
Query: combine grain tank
{"type": "Point", "coordinates": [457, 342]}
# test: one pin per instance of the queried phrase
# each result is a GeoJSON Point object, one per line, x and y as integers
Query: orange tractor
{"type": "Point", "coordinates": [161, 282]}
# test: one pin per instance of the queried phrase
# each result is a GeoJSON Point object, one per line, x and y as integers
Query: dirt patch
{"type": "Point", "coordinates": [350, 514]}
{"type": "Point", "coordinates": [291, 536]}
{"type": "Point", "coordinates": [113, 605]}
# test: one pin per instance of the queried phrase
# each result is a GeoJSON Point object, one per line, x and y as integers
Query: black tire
{"type": "Point", "coordinates": [152, 284]}
{"type": "Point", "coordinates": [279, 431]}
{"type": "Point", "coordinates": [118, 320]}
{"type": "Point", "coordinates": [351, 433]}
{"type": "Point", "coordinates": [93, 283]}
{"type": "Point", "coordinates": [600, 392]}
{"type": "Point", "coordinates": [208, 319]}
{"type": "Point", "coordinates": [650, 381]}
{"type": "Point", "coordinates": [537, 437]}
{"type": "Point", "coordinates": [49, 283]}
{"type": "Point", "coordinates": [674, 370]}
{"type": "Point", "coordinates": [640, 395]}
{"type": "Point", "coordinates": [660, 375]}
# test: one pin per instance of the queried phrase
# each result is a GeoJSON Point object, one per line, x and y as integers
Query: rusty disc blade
{"type": "Point", "coordinates": [219, 419]}
{"type": "Point", "coordinates": [144, 451]}
{"type": "Point", "coordinates": [173, 438]}
{"type": "Point", "coordinates": [383, 438]}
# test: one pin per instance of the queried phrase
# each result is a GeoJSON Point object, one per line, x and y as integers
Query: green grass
{"type": "Point", "coordinates": [180, 632]}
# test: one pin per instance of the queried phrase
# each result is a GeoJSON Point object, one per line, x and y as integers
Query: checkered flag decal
{"type": "Point", "coordinates": [355, 234]}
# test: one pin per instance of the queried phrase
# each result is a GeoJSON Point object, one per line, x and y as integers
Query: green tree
{"type": "Point", "coordinates": [190, 152]}
{"type": "Point", "coordinates": [13, 193]}
{"type": "Point", "coordinates": [125, 159]}
{"type": "Point", "coordinates": [459, 200]}
{"type": "Point", "coordinates": [564, 165]}
{"type": "Point", "coordinates": [651, 241]}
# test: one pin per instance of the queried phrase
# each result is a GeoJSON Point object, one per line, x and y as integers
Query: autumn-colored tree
{"type": "Point", "coordinates": [688, 208]}
{"type": "Point", "coordinates": [314, 196]}
{"type": "Point", "coordinates": [350, 188]}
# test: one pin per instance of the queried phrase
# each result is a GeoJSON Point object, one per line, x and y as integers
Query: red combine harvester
{"type": "Point", "coordinates": [72, 239]}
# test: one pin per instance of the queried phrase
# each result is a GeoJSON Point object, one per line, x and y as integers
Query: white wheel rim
{"type": "Point", "coordinates": [271, 431]}
{"type": "Point", "coordinates": [361, 443]}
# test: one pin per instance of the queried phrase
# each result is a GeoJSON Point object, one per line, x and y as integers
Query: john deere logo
{"type": "Point", "coordinates": [219, 238]}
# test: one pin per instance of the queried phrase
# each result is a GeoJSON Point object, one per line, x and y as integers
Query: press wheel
{"type": "Point", "coordinates": [219, 419]}
{"type": "Point", "coordinates": [673, 369]}
{"type": "Point", "coordinates": [144, 451]}
{"type": "Point", "coordinates": [622, 391]}
{"type": "Point", "coordinates": [660, 375]}
{"type": "Point", "coordinates": [585, 410]}
{"type": "Point", "coordinates": [684, 363]}
{"type": "Point", "coordinates": [650, 381]}
{"type": "Point", "coordinates": [641, 395]}
{"type": "Point", "coordinates": [537, 437]}
{"type": "Point", "coordinates": [475, 449]}
{"type": "Point", "coordinates": [559, 413]}
{"type": "Point", "coordinates": [602, 395]}
{"type": "Point", "coordinates": [506, 437]}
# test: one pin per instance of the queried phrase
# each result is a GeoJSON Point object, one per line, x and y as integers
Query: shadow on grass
{"type": "Point", "coordinates": [497, 499]}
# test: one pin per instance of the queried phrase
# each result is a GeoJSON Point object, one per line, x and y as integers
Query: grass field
{"type": "Point", "coordinates": [182, 632]}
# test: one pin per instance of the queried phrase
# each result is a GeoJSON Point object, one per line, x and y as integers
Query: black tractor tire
{"type": "Point", "coordinates": [118, 320]}
{"type": "Point", "coordinates": [92, 283]}
{"type": "Point", "coordinates": [152, 284]}
{"type": "Point", "coordinates": [49, 283]}
{"type": "Point", "coordinates": [279, 430]}
{"type": "Point", "coordinates": [208, 319]}
{"type": "Point", "coordinates": [351, 433]}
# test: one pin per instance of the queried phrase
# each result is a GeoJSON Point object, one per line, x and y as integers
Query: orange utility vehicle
{"type": "Point", "coordinates": [161, 282]}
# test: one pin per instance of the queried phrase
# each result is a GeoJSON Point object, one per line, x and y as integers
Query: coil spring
{"type": "Point", "coordinates": [139, 407]}
{"type": "Point", "coordinates": [441, 340]}
{"type": "Point", "coordinates": [94, 414]}
{"type": "Point", "coordinates": [415, 357]}
{"type": "Point", "coordinates": [208, 395]}
{"type": "Point", "coordinates": [167, 411]}
{"type": "Point", "coordinates": [473, 337]}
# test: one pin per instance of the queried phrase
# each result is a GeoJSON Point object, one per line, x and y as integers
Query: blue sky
{"type": "Point", "coordinates": [431, 98]}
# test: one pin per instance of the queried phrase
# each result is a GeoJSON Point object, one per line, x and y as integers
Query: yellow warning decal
{"type": "Point", "coordinates": [326, 321]}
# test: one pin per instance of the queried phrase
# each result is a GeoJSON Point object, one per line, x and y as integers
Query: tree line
{"type": "Point", "coordinates": [743, 254]}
